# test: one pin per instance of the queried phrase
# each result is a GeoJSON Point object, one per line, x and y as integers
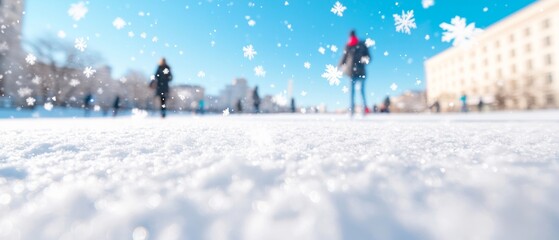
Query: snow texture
{"type": "Point", "coordinates": [488, 176]}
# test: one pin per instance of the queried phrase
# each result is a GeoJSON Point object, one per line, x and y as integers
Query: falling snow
{"type": "Point", "coordinates": [249, 52]}
{"type": "Point", "coordinates": [80, 44]}
{"type": "Point", "coordinates": [333, 75]}
{"type": "Point", "coordinates": [77, 11]}
{"type": "Point", "coordinates": [405, 22]}
{"type": "Point", "coordinates": [259, 71]}
{"type": "Point", "coordinates": [89, 72]}
{"type": "Point", "coordinates": [338, 9]}
{"type": "Point", "coordinates": [458, 32]}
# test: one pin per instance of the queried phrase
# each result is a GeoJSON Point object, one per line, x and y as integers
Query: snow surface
{"type": "Point", "coordinates": [476, 176]}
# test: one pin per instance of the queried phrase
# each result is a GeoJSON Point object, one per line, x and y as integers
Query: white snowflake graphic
{"type": "Point", "coordinates": [405, 22]}
{"type": "Point", "coordinates": [30, 101]}
{"type": "Point", "coordinates": [80, 44]}
{"type": "Point", "coordinates": [370, 42]}
{"type": "Point", "coordinates": [77, 11]}
{"type": "Point", "coordinates": [251, 23]}
{"type": "Point", "coordinates": [36, 80]}
{"type": "Point", "coordinates": [166, 71]}
{"type": "Point", "coordinates": [48, 106]}
{"type": "Point", "coordinates": [201, 74]}
{"type": "Point", "coordinates": [458, 32]}
{"type": "Point", "coordinates": [4, 46]}
{"type": "Point", "coordinates": [119, 23]}
{"type": "Point", "coordinates": [307, 65]}
{"type": "Point", "coordinates": [322, 50]}
{"type": "Point", "coordinates": [226, 112]}
{"type": "Point", "coordinates": [338, 9]}
{"type": "Point", "coordinates": [427, 3]}
{"type": "Point", "coordinates": [259, 71]}
{"type": "Point", "coordinates": [22, 92]}
{"type": "Point", "coordinates": [333, 75]}
{"type": "Point", "coordinates": [345, 89]}
{"type": "Point", "coordinates": [394, 86]}
{"type": "Point", "coordinates": [249, 52]}
{"type": "Point", "coordinates": [89, 72]}
{"type": "Point", "coordinates": [303, 93]}
{"type": "Point", "coordinates": [74, 82]}
{"type": "Point", "coordinates": [334, 48]}
{"type": "Point", "coordinates": [30, 59]}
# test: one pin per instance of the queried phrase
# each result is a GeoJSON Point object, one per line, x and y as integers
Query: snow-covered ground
{"type": "Point", "coordinates": [489, 176]}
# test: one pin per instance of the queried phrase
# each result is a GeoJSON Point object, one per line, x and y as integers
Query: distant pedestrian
{"type": "Point", "coordinates": [239, 106]}
{"type": "Point", "coordinates": [356, 57]}
{"type": "Point", "coordinates": [116, 106]}
{"type": "Point", "coordinates": [293, 106]}
{"type": "Point", "coordinates": [87, 104]}
{"type": "Point", "coordinates": [256, 100]}
{"type": "Point", "coordinates": [437, 106]}
{"type": "Point", "coordinates": [201, 106]}
{"type": "Point", "coordinates": [480, 105]}
{"type": "Point", "coordinates": [386, 105]}
{"type": "Point", "coordinates": [464, 101]}
{"type": "Point", "coordinates": [163, 76]}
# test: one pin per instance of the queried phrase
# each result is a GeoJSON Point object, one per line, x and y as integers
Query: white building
{"type": "Point", "coordinates": [513, 64]}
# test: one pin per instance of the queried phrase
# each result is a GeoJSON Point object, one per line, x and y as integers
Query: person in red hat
{"type": "Point", "coordinates": [356, 57]}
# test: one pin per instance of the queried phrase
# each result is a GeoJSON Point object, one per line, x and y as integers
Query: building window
{"type": "Point", "coordinates": [529, 65]}
{"type": "Point", "coordinates": [511, 38]}
{"type": "Point", "coordinates": [550, 99]}
{"type": "Point", "coordinates": [548, 59]}
{"type": "Point", "coordinates": [547, 41]}
{"type": "Point", "coordinates": [546, 23]}
{"type": "Point", "coordinates": [512, 53]}
{"type": "Point", "coordinates": [513, 69]}
{"type": "Point", "coordinates": [497, 44]}
{"type": "Point", "coordinates": [499, 58]}
{"type": "Point", "coordinates": [528, 47]}
{"type": "Point", "coordinates": [527, 32]}
{"type": "Point", "coordinates": [550, 78]}
{"type": "Point", "coordinates": [530, 81]}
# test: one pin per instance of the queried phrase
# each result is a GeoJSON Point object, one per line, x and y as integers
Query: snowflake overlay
{"type": "Point", "coordinates": [77, 11]}
{"type": "Point", "coordinates": [249, 52]}
{"type": "Point", "coordinates": [89, 72]}
{"type": "Point", "coordinates": [259, 71]}
{"type": "Point", "coordinates": [338, 9]}
{"type": "Point", "coordinates": [405, 22]}
{"type": "Point", "coordinates": [333, 75]}
{"type": "Point", "coordinates": [458, 32]}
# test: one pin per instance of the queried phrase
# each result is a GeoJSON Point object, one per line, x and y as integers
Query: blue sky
{"type": "Point", "coordinates": [186, 29]}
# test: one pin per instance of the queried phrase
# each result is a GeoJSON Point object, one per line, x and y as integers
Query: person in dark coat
{"type": "Point", "coordinates": [239, 106]}
{"type": "Point", "coordinates": [356, 57]}
{"type": "Point", "coordinates": [386, 105]}
{"type": "Point", "coordinates": [256, 100]}
{"type": "Point", "coordinates": [163, 76]}
{"type": "Point", "coordinates": [87, 102]}
{"type": "Point", "coordinates": [116, 106]}
{"type": "Point", "coordinates": [293, 106]}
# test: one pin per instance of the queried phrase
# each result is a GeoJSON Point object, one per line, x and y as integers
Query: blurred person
{"type": "Point", "coordinates": [239, 106]}
{"type": "Point", "coordinates": [386, 105]}
{"type": "Point", "coordinates": [163, 76]}
{"type": "Point", "coordinates": [356, 57]}
{"type": "Point", "coordinates": [464, 101]}
{"type": "Point", "coordinates": [437, 106]}
{"type": "Point", "coordinates": [293, 106]}
{"type": "Point", "coordinates": [87, 104]}
{"type": "Point", "coordinates": [116, 106]}
{"type": "Point", "coordinates": [480, 105]}
{"type": "Point", "coordinates": [256, 100]}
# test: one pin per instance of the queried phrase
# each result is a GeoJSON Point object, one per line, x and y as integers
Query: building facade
{"type": "Point", "coordinates": [512, 65]}
{"type": "Point", "coordinates": [11, 53]}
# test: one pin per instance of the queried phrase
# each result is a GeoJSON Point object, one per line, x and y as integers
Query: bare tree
{"type": "Point", "coordinates": [58, 63]}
